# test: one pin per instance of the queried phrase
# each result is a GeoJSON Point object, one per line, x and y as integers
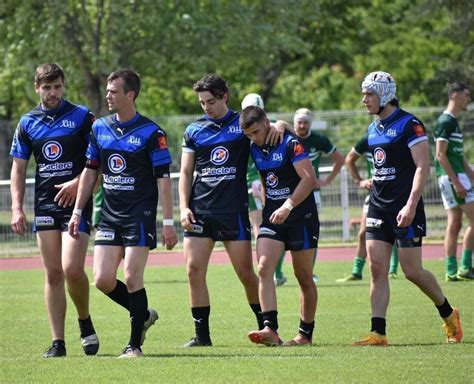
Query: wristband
{"type": "Point", "coordinates": [288, 205]}
{"type": "Point", "coordinates": [168, 222]}
{"type": "Point", "coordinates": [77, 211]}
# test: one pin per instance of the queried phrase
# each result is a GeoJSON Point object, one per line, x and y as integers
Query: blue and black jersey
{"type": "Point", "coordinates": [131, 156]}
{"type": "Point", "coordinates": [275, 164]}
{"type": "Point", "coordinates": [389, 142]}
{"type": "Point", "coordinates": [221, 154]}
{"type": "Point", "coordinates": [58, 139]}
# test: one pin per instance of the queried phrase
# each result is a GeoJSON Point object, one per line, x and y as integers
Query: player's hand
{"type": "Point", "coordinates": [460, 190]}
{"type": "Point", "coordinates": [187, 218]}
{"type": "Point", "coordinates": [365, 184]}
{"type": "Point", "coordinates": [67, 193]}
{"type": "Point", "coordinates": [19, 222]}
{"type": "Point", "coordinates": [276, 132]}
{"type": "Point", "coordinates": [405, 217]}
{"type": "Point", "coordinates": [73, 226]}
{"type": "Point", "coordinates": [280, 215]}
{"type": "Point", "coordinates": [168, 237]}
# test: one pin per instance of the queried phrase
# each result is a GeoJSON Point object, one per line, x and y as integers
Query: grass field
{"type": "Point", "coordinates": [417, 351]}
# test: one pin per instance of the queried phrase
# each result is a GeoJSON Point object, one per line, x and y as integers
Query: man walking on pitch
{"type": "Point", "coordinates": [56, 132]}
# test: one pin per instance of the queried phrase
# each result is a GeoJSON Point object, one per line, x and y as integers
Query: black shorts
{"type": "Point", "coordinates": [383, 226]}
{"type": "Point", "coordinates": [221, 227]}
{"type": "Point", "coordinates": [47, 220]}
{"type": "Point", "coordinates": [297, 235]}
{"type": "Point", "coordinates": [139, 233]}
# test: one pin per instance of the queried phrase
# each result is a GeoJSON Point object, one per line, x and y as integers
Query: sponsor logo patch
{"type": "Point", "coordinates": [52, 150]}
{"type": "Point", "coordinates": [105, 235]}
{"type": "Point", "coordinates": [219, 155]}
{"type": "Point", "coordinates": [379, 156]}
{"type": "Point", "coordinates": [116, 163]}
{"type": "Point", "coordinates": [43, 221]}
{"type": "Point", "coordinates": [373, 223]}
{"type": "Point", "coordinates": [266, 231]}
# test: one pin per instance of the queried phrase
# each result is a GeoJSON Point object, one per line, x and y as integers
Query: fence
{"type": "Point", "coordinates": [342, 200]}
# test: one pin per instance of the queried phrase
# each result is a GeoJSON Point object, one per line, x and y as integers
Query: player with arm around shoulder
{"type": "Point", "coordinates": [290, 221]}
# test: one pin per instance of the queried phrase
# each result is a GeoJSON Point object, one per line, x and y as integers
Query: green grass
{"type": "Point", "coordinates": [417, 352]}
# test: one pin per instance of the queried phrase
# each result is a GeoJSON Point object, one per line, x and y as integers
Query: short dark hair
{"type": "Point", "coordinates": [212, 83]}
{"type": "Point", "coordinates": [456, 87]}
{"type": "Point", "coordinates": [395, 102]}
{"type": "Point", "coordinates": [251, 115]}
{"type": "Point", "coordinates": [131, 80]}
{"type": "Point", "coordinates": [48, 72]}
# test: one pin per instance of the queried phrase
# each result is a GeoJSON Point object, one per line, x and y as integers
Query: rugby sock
{"type": "Point", "coordinates": [358, 266]}
{"type": "Point", "coordinates": [279, 266]}
{"type": "Point", "coordinates": [120, 295]}
{"type": "Point", "coordinates": [451, 265]}
{"type": "Point", "coordinates": [257, 309]}
{"type": "Point", "coordinates": [86, 327]}
{"type": "Point", "coordinates": [270, 320]}
{"type": "Point", "coordinates": [378, 325]}
{"type": "Point", "coordinates": [138, 315]}
{"type": "Point", "coordinates": [466, 260]}
{"type": "Point", "coordinates": [445, 309]}
{"type": "Point", "coordinates": [394, 260]}
{"type": "Point", "coordinates": [306, 329]}
{"type": "Point", "coordinates": [201, 322]}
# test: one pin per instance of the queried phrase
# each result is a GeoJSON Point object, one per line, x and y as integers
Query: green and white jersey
{"type": "Point", "coordinates": [361, 148]}
{"type": "Point", "coordinates": [316, 145]}
{"type": "Point", "coordinates": [447, 129]}
{"type": "Point", "coordinates": [252, 172]}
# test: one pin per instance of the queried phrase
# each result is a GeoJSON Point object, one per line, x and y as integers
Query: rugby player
{"type": "Point", "coordinates": [290, 222]}
{"type": "Point", "coordinates": [399, 147]}
{"type": "Point", "coordinates": [132, 153]}
{"type": "Point", "coordinates": [57, 133]}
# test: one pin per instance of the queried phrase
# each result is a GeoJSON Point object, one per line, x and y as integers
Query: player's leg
{"type": "Point", "coordinates": [49, 242]}
{"type": "Point", "coordinates": [73, 259]}
{"type": "Point", "coordinates": [268, 251]}
{"type": "Point", "coordinates": [197, 251]}
{"type": "Point", "coordinates": [466, 272]}
{"type": "Point", "coordinates": [453, 228]}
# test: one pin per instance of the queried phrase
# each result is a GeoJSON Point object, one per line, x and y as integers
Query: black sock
{"type": "Point", "coordinates": [86, 327]}
{"type": "Point", "coordinates": [270, 320]}
{"type": "Point", "coordinates": [445, 309]}
{"type": "Point", "coordinates": [306, 329]}
{"type": "Point", "coordinates": [138, 315]}
{"type": "Point", "coordinates": [120, 295]}
{"type": "Point", "coordinates": [258, 314]}
{"type": "Point", "coordinates": [378, 325]}
{"type": "Point", "coordinates": [201, 323]}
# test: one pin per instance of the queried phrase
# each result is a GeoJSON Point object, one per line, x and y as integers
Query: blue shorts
{"type": "Point", "coordinates": [221, 227]}
{"type": "Point", "coordinates": [47, 220]}
{"type": "Point", "coordinates": [140, 233]}
{"type": "Point", "coordinates": [297, 235]}
{"type": "Point", "coordinates": [383, 226]}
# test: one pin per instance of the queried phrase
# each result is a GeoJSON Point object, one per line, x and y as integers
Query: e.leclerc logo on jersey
{"type": "Point", "coordinates": [219, 155]}
{"type": "Point", "coordinates": [379, 156]}
{"type": "Point", "coordinates": [116, 163]}
{"type": "Point", "coordinates": [271, 180]}
{"type": "Point", "coordinates": [52, 150]}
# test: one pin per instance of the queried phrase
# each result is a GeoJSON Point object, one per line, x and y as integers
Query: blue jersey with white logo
{"type": "Point", "coordinates": [221, 154]}
{"type": "Point", "coordinates": [58, 139]}
{"type": "Point", "coordinates": [389, 141]}
{"type": "Point", "coordinates": [131, 156]}
{"type": "Point", "coordinates": [275, 164]}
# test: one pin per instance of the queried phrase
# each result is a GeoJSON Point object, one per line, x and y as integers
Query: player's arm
{"type": "Point", "coordinates": [168, 237]}
{"type": "Point", "coordinates": [277, 131]}
{"type": "Point", "coordinates": [17, 188]}
{"type": "Point", "coordinates": [185, 186]}
{"type": "Point", "coordinates": [441, 156]}
{"type": "Point", "coordinates": [86, 185]}
{"type": "Point", "coordinates": [350, 162]}
{"type": "Point", "coordinates": [338, 159]}
{"type": "Point", "coordinates": [419, 153]}
{"type": "Point", "coordinates": [308, 181]}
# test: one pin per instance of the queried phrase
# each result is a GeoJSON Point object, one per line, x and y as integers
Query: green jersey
{"type": "Point", "coordinates": [361, 148]}
{"type": "Point", "coordinates": [252, 172]}
{"type": "Point", "coordinates": [447, 129]}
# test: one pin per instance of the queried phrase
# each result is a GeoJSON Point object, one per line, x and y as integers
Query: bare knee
{"type": "Point", "coordinates": [361, 236]}
{"type": "Point", "coordinates": [196, 272]}
{"type": "Point", "coordinates": [105, 283]}
{"type": "Point", "coordinates": [74, 274]}
{"type": "Point", "coordinates": [305, 280]}
{"type": "Point", "coordinates": [54, 277]}
{"type": "Point", "coordinates": [453, 228]}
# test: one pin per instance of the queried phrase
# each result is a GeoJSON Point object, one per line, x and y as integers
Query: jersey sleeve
{"type": "Point", "coordinates": [188, 144]}
{"type": "Point", "coordinates": [21, 144]}
{"type": "Point", "coordinates": [86, 128]}
{"type": "Point", "coordinates": [93, 152]}
{"type": "Point", "coordinates": [296, 151]}
{"type": "Point", "coordinates": [159, 153]}
{"type": "Point", "coordinates": [325, 144]}
{"type": "Point", "coordinates": [362, 146]}
{"type": "Point", "coordinates": [443, 130]}
{"type": "Point", "coordinates": [415, 132]}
